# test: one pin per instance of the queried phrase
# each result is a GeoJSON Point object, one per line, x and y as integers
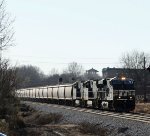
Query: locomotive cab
{"type": "Point", "coordinates": [123, 94]}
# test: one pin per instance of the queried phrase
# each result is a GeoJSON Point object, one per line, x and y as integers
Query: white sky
{"type": "Point", "coordinates": [52, 33]}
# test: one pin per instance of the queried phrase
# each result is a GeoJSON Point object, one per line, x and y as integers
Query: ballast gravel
{"type": "Point", "coordinates": [117, 126]}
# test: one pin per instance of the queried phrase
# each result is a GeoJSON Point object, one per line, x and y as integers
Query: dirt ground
{"type": "Point", "coordinates": [34, 123]}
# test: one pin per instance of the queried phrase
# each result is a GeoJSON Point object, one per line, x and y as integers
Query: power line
{"type": "Point", "coordinates": [60, 57]}
{"type": "Point", "coordinates": [100, 63]}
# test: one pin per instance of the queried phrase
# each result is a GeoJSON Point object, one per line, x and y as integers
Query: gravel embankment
{"type": "Point", "coordinates": [118, 127]}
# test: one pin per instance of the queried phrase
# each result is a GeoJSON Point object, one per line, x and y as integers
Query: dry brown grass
{"type": "Point", "coordinates": [142, 107]}
{"type": "Point", "coordinates": [4, 127]}
{"type": "Point", "coordinates": [34, 123]}
{"type": "Point", "coordinates": [39, 118]}
{"type": "Point", "coordinates": [94, 129]}
{"type": "Point", "coordinates": [34, 117]}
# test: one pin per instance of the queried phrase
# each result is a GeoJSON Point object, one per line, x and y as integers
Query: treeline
{"type": "Point", "coordinates": [132, 64]}
{"type": "Point", "coordinates": [32, 76]}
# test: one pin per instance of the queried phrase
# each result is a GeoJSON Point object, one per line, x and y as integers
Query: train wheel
{"type": "Point", "coordinates": [73, 103]}
{"type": "Point", "coordinates": [83, 103]}
{"type": "Point", "coordinates": [110, 105]}
{"type": "Point", "coordinates": [94, 104]}
{"type": "Point", "coordinates": [99, 104]}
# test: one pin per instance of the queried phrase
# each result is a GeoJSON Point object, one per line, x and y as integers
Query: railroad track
{"type": "Point", "coordinates": [145, 118]}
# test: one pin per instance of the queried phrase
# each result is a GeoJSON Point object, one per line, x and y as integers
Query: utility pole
{"type": "Point", "coordinates": [144, 63]}
{"type": "Point", "coordinates": [0, 60]}
{"type": "Point", "coordinates": [0, 50]}
{"type": "Point", "coordinates": [144, 80]}
{"type": "Point", "coordinates": [0, 54]}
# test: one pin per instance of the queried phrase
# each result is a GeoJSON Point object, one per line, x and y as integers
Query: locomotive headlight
{"type": "Point", "coordinates": [123, 78]}
{"type": "Point", "coordinates": [130, 97]}
{"type": "Point", "coordinates": [119, 97]}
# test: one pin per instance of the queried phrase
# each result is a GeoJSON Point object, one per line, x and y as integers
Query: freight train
{"type": "Point", "coordinates": [112, 94]}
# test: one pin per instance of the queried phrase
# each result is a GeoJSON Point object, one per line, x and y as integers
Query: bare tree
{"type": "Point", "coordinates": [53, 71]}
{"type": "Point", "coordinates": [6, 28]}
{"type": "Point", "coordinates": [74, 69]}
{"type": "Point", "coordinates": [29, 76]}
{"type": "Point", "coordinates": [8, 79]}
{"type": "Point", "coordinates": [134, 60]}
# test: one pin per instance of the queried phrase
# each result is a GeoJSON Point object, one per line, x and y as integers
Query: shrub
{"type": "Point", "coordinates": [8, 101]}
{"type": "Point", "coordinates": [48, 118]}
{"type": "Point", "coordinates": [38, 118]}
{"type": "Point", "coordinates": [96, 129]}
{"type": "Point", "coordinates": [3, 126]}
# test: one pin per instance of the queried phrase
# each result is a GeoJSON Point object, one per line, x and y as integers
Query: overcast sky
{"type": "Point", "coordinates": [52, 33]}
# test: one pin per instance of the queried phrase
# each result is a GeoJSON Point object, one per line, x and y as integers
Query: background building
{"type": "Point", "coordinates": [92, 74]}
{"type": "Point", "coordinates": [92, 71]}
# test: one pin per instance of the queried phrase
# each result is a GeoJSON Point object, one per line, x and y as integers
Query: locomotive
{"type": "Point", "coordinates": [112, 94]}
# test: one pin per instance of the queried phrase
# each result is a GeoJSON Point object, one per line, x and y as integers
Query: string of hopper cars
{"type": "Point", "coordinates": [112, 94]}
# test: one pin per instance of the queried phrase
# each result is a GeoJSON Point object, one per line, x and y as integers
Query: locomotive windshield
{"type": "Point", "coordinates": [122, 84]}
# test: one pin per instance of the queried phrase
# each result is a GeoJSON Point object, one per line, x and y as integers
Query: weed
{"type": "Point", "coordinates": [96, 129]}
